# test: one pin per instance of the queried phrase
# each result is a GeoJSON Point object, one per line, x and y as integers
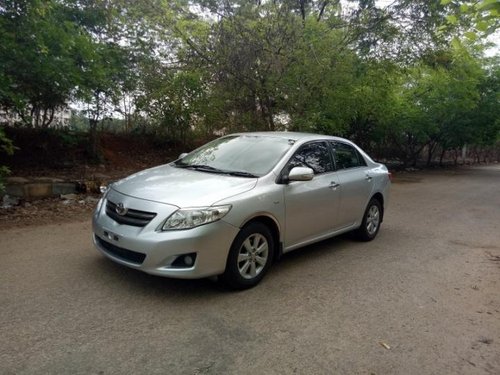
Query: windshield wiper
{"type": "Point", "coordinates": [208, 168]}
{"type": "Point", "coordinates": [241, 174]}
{"type": "Point", "coordinates": [202, 167]}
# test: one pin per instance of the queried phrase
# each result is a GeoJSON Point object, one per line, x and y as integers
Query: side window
{"type": "Point", "coordinates": [347, 156]}
{"type": "Point", "coordinates": [312, 155]}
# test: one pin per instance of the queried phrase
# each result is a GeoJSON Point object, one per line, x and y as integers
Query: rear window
{"type": "Point", "coordinates": [346, 156]}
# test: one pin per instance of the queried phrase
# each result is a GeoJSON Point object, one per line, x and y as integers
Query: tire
{"type": "Point", "coordinates": [371, 221]}
{"type": "Point", "coordinates": [250, 257]}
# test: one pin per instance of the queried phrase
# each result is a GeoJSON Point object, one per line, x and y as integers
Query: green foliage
{"type": "Point", "coordinates": [480, 18]}
{"type": "Point", "coordinates": [6, 147]}
{"type": "Point", "coordinates": [69, 138]}
{"type": "Point", "coordinates": [484, 120]}
{"type": "Point", "coordinates": [54, 52]}
{"type": "Point", "coordinates": [40, 59]}
{"type": "Point", "coordinates": [398, 79]}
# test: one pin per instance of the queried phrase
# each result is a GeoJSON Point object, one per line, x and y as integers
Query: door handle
{"type": "Point", "coordinates": [333, 185]}
{"type": "Point", "coordinates": [368, 178]}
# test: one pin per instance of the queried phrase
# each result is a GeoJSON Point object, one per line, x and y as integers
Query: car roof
{"type": "Point", "coordinates": [295, 136]}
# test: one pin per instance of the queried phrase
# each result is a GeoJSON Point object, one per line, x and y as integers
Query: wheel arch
{"type": "Point", "coordinates": [378, 196]}
{"type": "Point", "coordinates": [273, 226]}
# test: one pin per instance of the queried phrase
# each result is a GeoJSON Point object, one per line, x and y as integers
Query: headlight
{"type": "Point", "coordinates": [193, 217]}
{"type": "Point", "coordinates": [104, 189]}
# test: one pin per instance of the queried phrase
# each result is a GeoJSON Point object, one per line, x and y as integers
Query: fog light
{"type": "Point", "coordinates": [184, 261]}
{"type": "Point", "coordinates": [188, 260]}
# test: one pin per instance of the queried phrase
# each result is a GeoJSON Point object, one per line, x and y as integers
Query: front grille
{"type": "Point", "coordinates": [135, 218]}
{"type": "Point", "coordinates": [121, 253]}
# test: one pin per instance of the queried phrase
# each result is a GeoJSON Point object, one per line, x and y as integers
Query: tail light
{"type": "Point", "coordinates": [390, 176]}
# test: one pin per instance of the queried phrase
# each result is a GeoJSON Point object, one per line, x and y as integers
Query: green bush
{"type": "Point", "coordinates": [7, 147]}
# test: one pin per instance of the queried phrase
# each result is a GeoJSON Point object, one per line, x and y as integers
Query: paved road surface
{"type": "Point", "coordinates": [428, 287]}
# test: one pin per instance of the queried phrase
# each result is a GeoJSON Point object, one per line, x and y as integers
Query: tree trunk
{"type": "Point", "coordinates": [94, 141]}
{"type": "Point", "coordinates": [303, 10]}
{"type": "Point", "coordinates": [47, 119]}
{"type": "Point", "coordinates": [270, 114]}
{"type": "Point", "coordinates": [430, 152]}
{"type": "Point", "coordinates": [322, 10]}
{"type": "Point", "coordinates": [443, 151]}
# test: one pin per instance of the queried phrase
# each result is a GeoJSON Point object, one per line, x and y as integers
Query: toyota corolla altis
{"type": "Point", "coordinates": [232, 206]}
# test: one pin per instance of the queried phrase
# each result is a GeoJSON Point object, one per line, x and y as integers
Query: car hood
{"type": "Point", "coordinates": [182, 187]}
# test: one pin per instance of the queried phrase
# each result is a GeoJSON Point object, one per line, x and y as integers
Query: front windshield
{"type": "Point", "coordinates": [253, 154]}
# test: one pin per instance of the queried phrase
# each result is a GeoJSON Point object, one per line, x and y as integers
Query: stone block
{"type": "Point", "coordinates": [16, 180]}
{"type": "Point", "coordinates": [14, 190]}
{"type": "Point", "coordinates": [63, 188]}
{"type": "Point", "coordinates": [37, 190]}
{"type": "Point", "coordinates": [46, 179]}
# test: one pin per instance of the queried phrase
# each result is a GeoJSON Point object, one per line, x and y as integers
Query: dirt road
{"type": "Point", "coordinates": [423, 298]}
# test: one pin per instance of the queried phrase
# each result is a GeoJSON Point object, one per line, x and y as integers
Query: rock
{"type": "Point", "coordinates": [91, 200]}
{"type": "Point", "coordinates": [68, 197]}
{"type": "Point", "coordinates": [8, 201]}
{"type": "Point", "coordinates": [16, 190]}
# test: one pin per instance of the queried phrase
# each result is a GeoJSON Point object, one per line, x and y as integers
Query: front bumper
{"type": "Point", "coordinates": [153, 251]}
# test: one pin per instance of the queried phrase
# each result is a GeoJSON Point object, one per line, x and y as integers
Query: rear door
{"type": "Point", "coordinates": [311, 206]}
{"type": "Point", "coordinates": [355, 182]}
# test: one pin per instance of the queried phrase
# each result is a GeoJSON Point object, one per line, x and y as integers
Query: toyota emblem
{"type": "Point", "coordinates": [120, 209]}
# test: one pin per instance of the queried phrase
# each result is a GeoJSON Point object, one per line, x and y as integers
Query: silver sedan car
{"type": "Point", "coordinates": [232, 206]}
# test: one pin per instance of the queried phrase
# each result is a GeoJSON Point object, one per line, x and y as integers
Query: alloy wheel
{"type": "Point", "coordinates": [372, 220]}
{"type": "Point", "coordinates": [253, 256]}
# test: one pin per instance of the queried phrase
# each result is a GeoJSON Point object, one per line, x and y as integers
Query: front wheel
{"type": "Point", "coordinates": [250, 256]}
{"type": "Point", "coordinates": [371, 221]}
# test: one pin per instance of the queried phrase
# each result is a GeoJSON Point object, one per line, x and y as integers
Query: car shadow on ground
{"type": "Point", "coordinates": [134, 281]}
{"type": "Point", "coordinates": [114, 275]}
{"type": "Point", "coordinates": [323, 248]}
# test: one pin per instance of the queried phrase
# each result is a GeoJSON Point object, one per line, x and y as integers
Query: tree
{"type": "Point", "coordinates": [393, 77]}
{"type": "Point", "coordinates": [172, 100]}
{"type": "Point", "coordinates": [40, 59]}
{"type": "Point", "coordinates": [484, 120]}
{"type": "Point", "coordinates": [100, 86]}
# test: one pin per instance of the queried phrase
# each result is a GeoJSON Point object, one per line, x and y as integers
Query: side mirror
{"type": "Point", "coordinates": [183, 155]}
{"type": "Point", "coordinates": [301, 174]}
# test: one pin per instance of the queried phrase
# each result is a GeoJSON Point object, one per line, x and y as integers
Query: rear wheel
{"type": "Point", "coordinates": [250, 256]}
{"type": "Point", "coordinates": [371, 221]}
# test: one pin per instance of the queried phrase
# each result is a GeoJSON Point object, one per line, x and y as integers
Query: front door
{"type": "Point", "coordinates": [311, 206]}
